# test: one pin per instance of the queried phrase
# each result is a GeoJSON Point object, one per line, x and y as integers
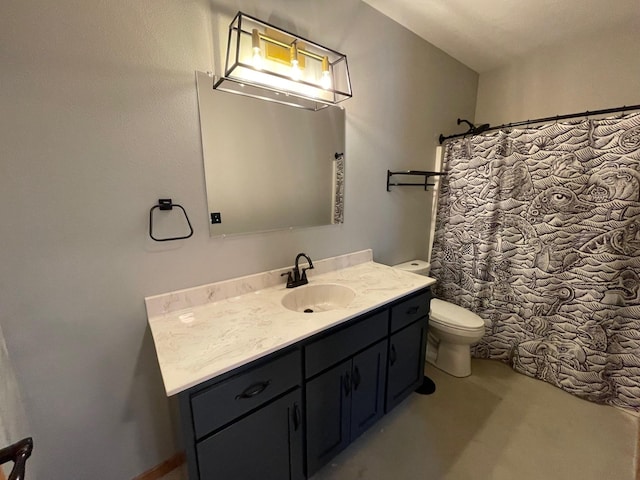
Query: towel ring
{"type": "Point", "coordinates": [166, 204]}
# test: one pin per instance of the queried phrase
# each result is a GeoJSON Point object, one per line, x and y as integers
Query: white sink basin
{"type": "Point", "coordinates": [318, 298]}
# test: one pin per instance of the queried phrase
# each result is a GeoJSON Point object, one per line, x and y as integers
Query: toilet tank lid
{"type": "Point", "coordinates": [415, 266]}
{"type": "Point", "coordinates": [451, 314]}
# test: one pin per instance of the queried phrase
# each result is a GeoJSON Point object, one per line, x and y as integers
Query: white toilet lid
{"type": "Point", "coordinates": [454, 316]}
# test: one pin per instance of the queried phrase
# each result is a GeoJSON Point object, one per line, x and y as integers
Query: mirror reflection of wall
{"type": "Point", "coordinates": [267, 166]}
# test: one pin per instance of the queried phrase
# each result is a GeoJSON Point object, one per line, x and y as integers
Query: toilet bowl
{"type": "Point", "coordinates": [452, 330]}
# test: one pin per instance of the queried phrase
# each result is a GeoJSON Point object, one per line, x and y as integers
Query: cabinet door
{"type": "Point", "coordinates": [266, 444]}
{"type": "Point", "coordinates": [406, 362]}
{"type": "Point", "coordinates": [328, 412]}
{"type": "Point", "coordinates": [367, 378]}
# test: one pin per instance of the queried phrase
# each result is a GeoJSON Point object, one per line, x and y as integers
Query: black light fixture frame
{"type": "Point", "coordinates": [273, 94]}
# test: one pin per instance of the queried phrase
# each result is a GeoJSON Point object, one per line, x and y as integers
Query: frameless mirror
{"type": "Point", "coordinates": [269, 166]}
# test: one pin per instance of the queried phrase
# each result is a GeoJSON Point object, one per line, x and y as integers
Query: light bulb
{"type": "Point", "coordinates": [296, 73]}
{"type": "Point", "coordinates": [257, 52]}
{"type": "Point", "coordinates": [257, 58]}
{"type": "Point", "coordinates": [325, 81]}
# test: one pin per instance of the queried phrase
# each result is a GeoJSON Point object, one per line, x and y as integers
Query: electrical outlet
{"type": "Point", "coordinates": [215, 217]}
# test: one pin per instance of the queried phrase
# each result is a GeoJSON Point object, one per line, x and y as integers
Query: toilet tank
{"type": "Point", "coordinates": [415, 266]}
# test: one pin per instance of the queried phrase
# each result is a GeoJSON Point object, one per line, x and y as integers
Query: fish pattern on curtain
{"type": "Point", "coordinates": [538, 232]}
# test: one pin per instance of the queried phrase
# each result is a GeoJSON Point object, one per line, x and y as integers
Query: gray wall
{"type": "Point", "coordinates": [99, 120]}
{"type": "Point", "coordinates": [589, 73]}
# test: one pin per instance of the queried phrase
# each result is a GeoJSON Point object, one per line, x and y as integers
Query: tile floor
{"type": "Point", "coordinates": [493, 425]}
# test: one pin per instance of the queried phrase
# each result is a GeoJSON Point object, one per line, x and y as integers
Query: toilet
{"type": "Point", "coordinates": [452, 330]}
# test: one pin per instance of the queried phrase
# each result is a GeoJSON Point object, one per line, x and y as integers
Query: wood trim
{"type": "Point", "coordinates": [161, 470]}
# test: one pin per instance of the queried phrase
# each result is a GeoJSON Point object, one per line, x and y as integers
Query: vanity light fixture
{"type": "Point", "coordinates": [269, 63]}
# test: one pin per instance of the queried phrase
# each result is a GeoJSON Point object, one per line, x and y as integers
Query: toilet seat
{"type": "Point", "coordinates": [453, 317]}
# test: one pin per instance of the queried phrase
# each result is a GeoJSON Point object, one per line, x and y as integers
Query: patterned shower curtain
{"type": "Point", "coordinates": [538, 232]}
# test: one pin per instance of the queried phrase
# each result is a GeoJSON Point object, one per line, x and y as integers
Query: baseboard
{"type": "Point", "coordinates": [161, 470]}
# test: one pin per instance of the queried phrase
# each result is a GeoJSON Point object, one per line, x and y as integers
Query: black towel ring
{"type": "Point", "coordinates": [166, 204]}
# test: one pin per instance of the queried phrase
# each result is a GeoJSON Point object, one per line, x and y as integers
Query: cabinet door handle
{"type": "Point", "coordinates": [346, 383]}
{"type": "Point", "coordinates": [413, 310]}
{"type": "Point", "coordinates": [356, 377]}
{"type": "Point", "coordinates": [393, 356]}
{"type": "Point", "coordinates": [296, 417]}
{"type": "Point", "coordinates": [253, 390]}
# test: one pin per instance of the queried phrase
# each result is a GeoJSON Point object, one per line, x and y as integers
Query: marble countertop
{"type": "Point", "coordinates": [204, 332]}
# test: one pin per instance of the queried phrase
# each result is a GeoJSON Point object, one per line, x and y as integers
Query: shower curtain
{"type": "Point", "coordinates": [538, 232]}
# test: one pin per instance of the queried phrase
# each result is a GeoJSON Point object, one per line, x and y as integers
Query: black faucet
{"type": "Point", "coordinates": [298, 278]}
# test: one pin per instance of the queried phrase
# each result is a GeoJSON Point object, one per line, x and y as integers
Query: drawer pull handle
{"type": "Point", "coordinates": [347, 384]}
{"type": "Point", "coordinates": [413, 310]}
{"type": "Point", "coordinates": [356, 377]}
{"type": "Point", "coordinates": [296, 417]}
{"type": "Point", "coordinates": [253, 390]}
{"type": "Point", "coordinates": [393, 356]}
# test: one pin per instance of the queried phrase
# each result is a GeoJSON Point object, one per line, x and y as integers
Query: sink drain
{"type": "Point", "coordinates": [308, 310]}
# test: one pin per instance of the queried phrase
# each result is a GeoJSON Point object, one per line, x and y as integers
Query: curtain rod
{"type": "Point", "coordinates": [624, 108]}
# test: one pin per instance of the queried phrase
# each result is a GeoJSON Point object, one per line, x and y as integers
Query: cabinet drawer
{"type": "Point", "coordinates": [339, 345]}
{"type": "Point", "coordinates": [410, 310]}
{"type": "Point", "coordinates": [227, 400]}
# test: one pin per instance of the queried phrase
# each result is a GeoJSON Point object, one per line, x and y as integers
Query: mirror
{"type": "Point", "coordinates": [269, 166]}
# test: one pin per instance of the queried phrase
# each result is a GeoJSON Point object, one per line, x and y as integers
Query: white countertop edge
{"type": "Point", "coordinates": [248, 360]}
{"type": "Point", "coordinates": [196, 340]}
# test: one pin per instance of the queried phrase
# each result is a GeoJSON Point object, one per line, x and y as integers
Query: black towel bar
{"type": "Point", "coordinates": [422, 173]}
{"type": "Point", "coordinates": [166, 204]}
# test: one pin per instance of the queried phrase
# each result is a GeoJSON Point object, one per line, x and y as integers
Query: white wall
{"type": "Point", "coordinates": [99, 120]}
{"type": "Point", "coordinates": [596, 72]}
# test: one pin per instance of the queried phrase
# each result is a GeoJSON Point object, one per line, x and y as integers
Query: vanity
{"type": "Point", "coordinates": [267, 391]}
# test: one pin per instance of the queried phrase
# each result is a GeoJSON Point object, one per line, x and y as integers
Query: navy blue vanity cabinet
{"type": "Point", "coordinates": [266, 445]}
{"type": "Point", "coordinates": [328, 416]}
{"type": "Point", "coordinates": [367, 388]}
{"type": "Point", "coordinates": [345, 399]}
{"type": "Point", "coordinates": [407, 346]}
{"type": "Point", "coordinates": [307, 401]}
{"type": "Point", "coordinates": [247, 424]}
